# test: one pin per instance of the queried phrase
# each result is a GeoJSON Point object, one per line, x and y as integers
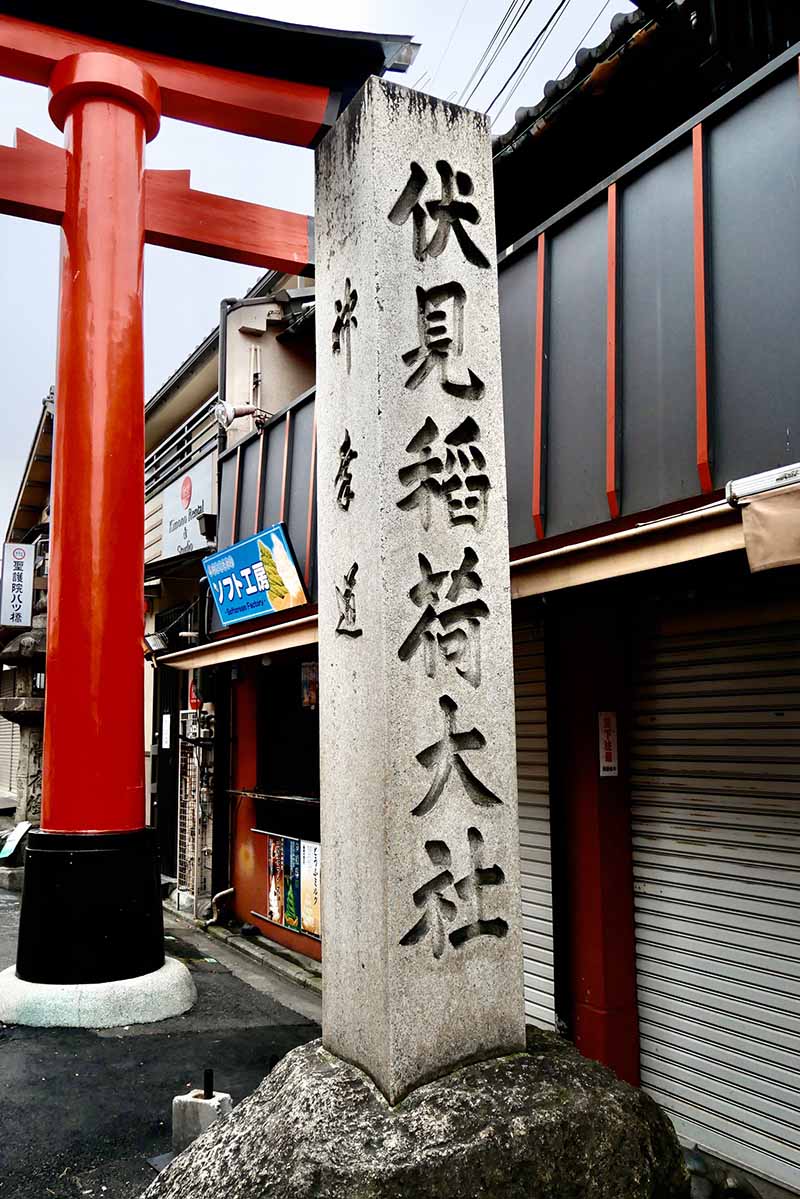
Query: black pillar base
{"type": "Point", "coordinates": [91, 908]}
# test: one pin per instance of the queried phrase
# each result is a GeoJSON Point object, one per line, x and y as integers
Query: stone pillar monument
{"type": "Point", "coordinates": [424, 1083]}
{"type": "Point", "coordinates": [421, 907]}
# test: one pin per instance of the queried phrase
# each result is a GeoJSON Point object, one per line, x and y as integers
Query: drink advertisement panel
{"type": "Point", "coordinates": [275, 879]}
{"type": "Point", "coordinates": [255, 577]}
{"type": "Point", "coordinates": [309, 884]}
{"type": "Point", "coordinates": [291, 883]}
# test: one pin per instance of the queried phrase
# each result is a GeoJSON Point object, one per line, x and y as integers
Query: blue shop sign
{"type": "Point", "coordinates": [255, 577]}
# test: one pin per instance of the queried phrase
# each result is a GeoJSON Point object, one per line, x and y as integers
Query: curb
{"type": "Point", "coordinates": [279, 962]}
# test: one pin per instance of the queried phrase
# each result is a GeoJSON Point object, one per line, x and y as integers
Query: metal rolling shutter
{"type": "Point", "coordinates": [534, 823]}
{"type": "Point", "coordinates": [716, 835]}
{"type": "Point", "coordinates": [9, 739]}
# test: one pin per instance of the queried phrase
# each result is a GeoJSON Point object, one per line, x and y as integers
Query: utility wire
{"type": "Point", "coordinates": [453, 33]}
{"type": "Point", "coordinates": [532, 60]}
{"type": "Point", "coordinates": [487, 49]}
{"type": "Point", "coordinates": [512, 27]}
{"type": "Point", "coordinates": [548, 23]}
{"type": "Point", "coordinates": [571, 56]}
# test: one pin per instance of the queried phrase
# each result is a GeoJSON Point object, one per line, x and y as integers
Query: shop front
{"type": "Point", "coordinates": [273, 798]}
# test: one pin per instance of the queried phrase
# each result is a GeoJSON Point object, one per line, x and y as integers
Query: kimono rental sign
{"type": "Point", "coordinates": [255, 577]}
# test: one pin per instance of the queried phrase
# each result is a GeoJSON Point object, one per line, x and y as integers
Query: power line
{"type": "Point", "coordinates": [488, 47]}
{"type": "Point", "coordinates": [583, 39]}
{"type": "Point", "coordinates": [553, 16]}
{"type": "Point", "coordinates": [453, 33]}
{"type": "Point", "coordinates": [514, 21]}
{"type": "Point", "coordinates": [532, 60]}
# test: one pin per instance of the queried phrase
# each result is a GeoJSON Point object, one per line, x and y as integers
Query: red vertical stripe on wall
{"type": "Point", "coordinates": [538, 388]}
{"type": "Point", "coordinates": [700, 314]}
{"type": "Point", "coordinates": [612, 493]}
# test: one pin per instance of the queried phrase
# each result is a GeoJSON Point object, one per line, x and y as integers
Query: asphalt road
{"type": "Point", "coordinates": [81, 1111]}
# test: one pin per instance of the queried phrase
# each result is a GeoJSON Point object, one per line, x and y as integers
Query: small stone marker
{"type": "Point", "coordinates": [421, 905]}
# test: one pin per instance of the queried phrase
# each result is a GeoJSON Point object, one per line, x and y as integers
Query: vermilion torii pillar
{"type": "Point", "coordinates": [93, 841]}
{"type": "Point", "coordinates": [90, 947]}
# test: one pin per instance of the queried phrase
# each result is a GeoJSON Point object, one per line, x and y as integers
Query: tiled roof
{"type": "Point", "coordinates": [626, 28]}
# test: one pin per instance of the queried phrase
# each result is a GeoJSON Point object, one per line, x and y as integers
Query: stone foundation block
{"type": "Point", "coordinates": [11, 878]}
{"type": "Point", "coordinates": [192, 1114]}
{"type": "Point", "coordinates": [542, 1124]}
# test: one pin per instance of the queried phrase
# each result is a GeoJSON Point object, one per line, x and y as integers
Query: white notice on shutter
{"type": "Point", "coordinates": [609, 763]}
{"type": "Point", "coordinates": [165, 723]}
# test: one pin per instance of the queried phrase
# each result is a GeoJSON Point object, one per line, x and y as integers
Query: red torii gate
{"type": "Point", "coordinates": [93, 867]}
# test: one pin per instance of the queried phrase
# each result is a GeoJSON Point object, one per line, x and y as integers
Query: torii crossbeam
{"type": "Point", "coordinates": [93, 866]}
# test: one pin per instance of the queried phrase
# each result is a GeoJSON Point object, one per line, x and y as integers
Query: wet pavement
{"type": "Point", "coordinates": [81, 1111]}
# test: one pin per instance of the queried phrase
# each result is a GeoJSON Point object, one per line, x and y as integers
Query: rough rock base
{"type": "Point", "coordinates": [546, 1124]}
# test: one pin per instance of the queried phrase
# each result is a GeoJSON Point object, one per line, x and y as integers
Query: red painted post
{"type": "Point", "coordinates": [95, 670]}
{"type": "Point", "coordinates": [589, 669]}
{"type": "Point", "coordinates": [94, 863]}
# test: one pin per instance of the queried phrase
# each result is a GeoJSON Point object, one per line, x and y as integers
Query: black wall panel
{"type": "Point", "coordinates": [576, 374]}
{"type": "Point", "coordinates": [518, 336]}
{"type": "Point", "coordinates": [754, 250]}
{"type": "Point", "coordinates": [226, 534]}
{"type": "Point", "coordinates": [297, 515]}
{"type": "Point", "coordinates": [248, 489]}
{"type": "Point", "coordinates": [656, 392]}
{"type": "Point", "coordinates": [273, 483]}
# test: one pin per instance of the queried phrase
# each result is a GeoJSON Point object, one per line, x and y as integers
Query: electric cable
{"type": "Point", "coordinates": [533, 58]}
{"type": "Point", "coordinates": [453, 33]}
{"type": "Point", "coordinates": [548, 23]}
{"type": "Point", "coordinates": [517, 17]}
{"type": "Point", "coordinates": [487, 49]}
{"type": "Point", "coordinates": [571, 56]}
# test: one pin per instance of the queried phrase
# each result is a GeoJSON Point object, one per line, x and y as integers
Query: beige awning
{"type": "Point", "coordinates": [290, 634]}
{"type": "Point", "coordinates": [700, 533]}
{"type": "Point", "coordinates": [713, 529]}
{"type": "Point", "coordinates": [772, 529]}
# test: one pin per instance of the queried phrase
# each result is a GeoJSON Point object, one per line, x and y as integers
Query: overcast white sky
{"type": "Point", "coordinates": [182, 291]}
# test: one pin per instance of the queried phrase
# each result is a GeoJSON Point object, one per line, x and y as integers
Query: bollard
{"type": "Point", "coordinates": [192, 1114]}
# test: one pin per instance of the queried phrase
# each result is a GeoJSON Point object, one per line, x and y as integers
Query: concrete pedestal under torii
{"type": "Point", "coordinates": [426, 1082]}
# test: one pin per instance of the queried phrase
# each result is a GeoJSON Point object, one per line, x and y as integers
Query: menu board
{"type": "Point", "coordinates": [309, 881]}
{"type": "Point", "coordinates": [275, 879]}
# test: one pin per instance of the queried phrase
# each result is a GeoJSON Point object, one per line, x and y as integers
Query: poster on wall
{"type": "Point", "coordinates": [309, 883]}
{"type": "Point", "coordinates": [291, 883]}
{"type": "Point", "coordinates": [309, 684]}
{"type": "Point", "coordinates": [275, 879]}
{"type": "Point", "coordinates": [255, 577]}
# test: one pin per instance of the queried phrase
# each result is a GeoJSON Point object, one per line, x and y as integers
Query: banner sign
{"type": "Point", "coordinates": [189, 497]}
{"type": "Point", "coordinates": [255, 577]}
{"type": "Point", "coordinates": [16, 585]}
{"type": "Point", "coordinates": [309, 885]}
{"type": "Point", "coordinates": [291, 883]}
{"type": "Point", "coordinates": [275, 879]}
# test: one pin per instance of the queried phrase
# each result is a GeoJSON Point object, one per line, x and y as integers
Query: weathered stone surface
{"type": "Point", "coordinates": [546, 1124]}
{"type": "Point", "coordinates": [420, 904]}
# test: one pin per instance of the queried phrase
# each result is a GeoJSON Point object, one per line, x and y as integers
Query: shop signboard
{"type": "Point", "coordinates": [255, 577]}
{"type": "Point", "coordinates": [183, 502]}
{"type": "Point", "coordinates": [16, 585]}
{"type": "Point", "coordinates": [275, 879]}
{"type": "Point", "coordinates": [291, 883]}
{"type": "Point", "coordinates": [309, 884]}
